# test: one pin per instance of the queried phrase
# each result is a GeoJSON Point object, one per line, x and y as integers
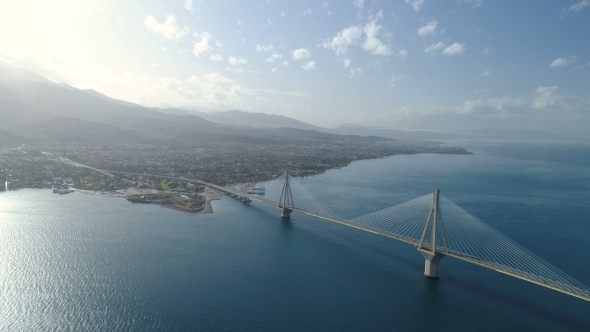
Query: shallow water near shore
{"type": "Point", "coordinates": [82, 262]}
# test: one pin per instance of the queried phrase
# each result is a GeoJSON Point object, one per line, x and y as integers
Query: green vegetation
{"type": "Point", "coordinates": [164, 185]}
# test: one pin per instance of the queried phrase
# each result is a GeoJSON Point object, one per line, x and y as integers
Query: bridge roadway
{"type": "Point", "coordinates": [572, 291]}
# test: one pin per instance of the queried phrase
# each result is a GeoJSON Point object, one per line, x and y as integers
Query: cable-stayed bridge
{"type": "Point", "coordinates": [433, 224]}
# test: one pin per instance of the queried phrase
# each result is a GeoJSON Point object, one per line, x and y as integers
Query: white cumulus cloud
{"type": "Point", "coordinates": [188, 5]}
{"type": "Point", "coordinates": [274, 56]}
{"type": "Point", "coordinates": [428, 29]}
{"type": "Point", "coordinates": [309, 65]}
{"type": "Point", "coordinates": [578, 6]}
{"type": "Point", "coordinates": [433, 49]}
{"type": "Point", "coordinates": [202, 43]}
{"type": "Point", "coordinates": [454, 49]}
{"type": "Point", "coordinates": [262, 48]}
{"type": "Point", "coordinates": [545, 97]}
{"type": "Point", "coordinates": [343, 39]}
{"type": "Point", "coordinates": [216, 57]}
{"type": "Point", "coordinates": [169, 29]}
{"type": "Point", "coordinates": [372, 43]}
{"type": "Point", "coordinates": [474, 3]}
{"type": "Point", "coordinates": [416, 4]}
{"type": "Point", "coordinates": [359, 3]}
{"type": "Point", "coordinates": [301, 53]}
{"type": "Point", "coordinates": [236, 61]}
{"type": "Point", "coordinates": [559, 62]}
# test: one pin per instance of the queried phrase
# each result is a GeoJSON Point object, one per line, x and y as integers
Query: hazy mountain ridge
{"type": "Point", "coordinates": [28, 97]}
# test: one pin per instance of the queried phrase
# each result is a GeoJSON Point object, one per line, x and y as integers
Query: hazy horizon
{"type": "Point", "coordinates": [445, 66]}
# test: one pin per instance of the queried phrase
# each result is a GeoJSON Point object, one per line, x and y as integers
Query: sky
{"type": "Point", "coordinates": [407, 64]}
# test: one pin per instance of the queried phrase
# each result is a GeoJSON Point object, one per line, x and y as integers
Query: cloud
{"type": "Point", "coordinates": [372, 43]}
{"type": "Point", "coordinates": [307, 12]}
{"type": "Point", "coordinates": [559, 62]}
{"type": "Point", "coordinates": [274, 56]}
{"type": "Point", "coordinates": [486, 73]}
{"type": "Point", "coordinates": [346, 63]}
{"type": "Point", "coordinates": [216, 57]}
{"type": "Point", "coordinates": [236, 61]}
{"type": "Point", "coordinates": [474, 3]}
{"type": "Point", "coordinates": [454, 49]}
{"type": "Point", "coordinates": [285, 63]}
{"type": "Point", "coordinates": [428, 29]}
{"type": "Point", "coordinates": [545, 96]}
{"type": "Point", "coordinates": [433, 48]}
{"type": "Point", "coordinates": [120, 20]}
{"type": "Point", "coordinates": [301, 53]}
{"type": "Point", "coordinates": [402, 54]}
{"type": "Point", "coordinates": [188, 5]}
{"type": "Point", "coordinates": [262, 48]}
{"type": "Point", "coordinates": [416, 4]}
{"type": "Point", "coordinates": [282, 14]}
{"type": "Point", "coordinates": [356, 72]}
{"type": "Point", "coordinates": [394, 79]}
{"type": "Point", "coordinates": [202, 43]}
{"type": "Point", "coordinates": [274, 70]}
{"type": "Point", "coordinates": [343, 39]}
{"type": "Point", "coordinates": [578, 6]}
{"type": "Point", "coordinates": [359, 3]}
{"type": "Point", "coordinates": [309, 65]}
{"type": "Point", "coordinates": [169, 29]}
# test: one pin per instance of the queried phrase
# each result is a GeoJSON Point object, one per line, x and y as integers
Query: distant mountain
{"type": "Point", "coordinates": [9, 74]}
{"type": "Point", "coordinates": [256, 120]}
{"type": "Point", "coordinates": [78, 131]}
{"type": "Point", "coordinates": [36, 96]}
{"type": "Point", "coordinates": [348, 129]}
{"type": "Point", "coordinates": [13, 114]}
{"type": "Point", "coordinates": [496, 133]}
{"type": "Point", "coordinates": [175, 111]}
{"type": "Point", "coordinates": [112, 100]}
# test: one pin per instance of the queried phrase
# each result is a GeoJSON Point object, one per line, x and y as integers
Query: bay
{"type": "Point", "coordinates": [82, 262]}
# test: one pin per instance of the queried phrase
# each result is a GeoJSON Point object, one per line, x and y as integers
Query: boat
{"type": "Point", "coordinates": [55, 190]}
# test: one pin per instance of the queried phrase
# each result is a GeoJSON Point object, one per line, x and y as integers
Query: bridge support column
{"type": "Point", "coordinates": [431, 263]}
{"type": "Point", "coordinates": [285, 213]}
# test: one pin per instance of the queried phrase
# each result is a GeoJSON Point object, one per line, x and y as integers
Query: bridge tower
{"type": "Point", "coordinates": [286, 201]}
{"type": "Point", "coordinates": [435, 224]}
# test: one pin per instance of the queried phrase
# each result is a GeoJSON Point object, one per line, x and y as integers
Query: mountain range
{"type": "Point", "coordinates": [31, 104]}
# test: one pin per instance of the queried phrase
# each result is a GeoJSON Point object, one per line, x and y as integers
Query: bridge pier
{"type": "Point", "coordinates": [285, 213]}
{"type": "Point", "coordinates": [431, 263]}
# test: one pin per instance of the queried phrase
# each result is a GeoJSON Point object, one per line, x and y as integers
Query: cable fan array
{"type": "Point", "coordinates": [459, 235]}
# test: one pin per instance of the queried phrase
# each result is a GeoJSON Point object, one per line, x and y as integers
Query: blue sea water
{"type": "Point", "coordinates": [87, 263]}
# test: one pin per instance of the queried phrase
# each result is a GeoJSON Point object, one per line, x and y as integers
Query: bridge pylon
{"type": "Point", "coordinates": [286, 201]}
{"type": "Point", "coordinates": [435, 225]}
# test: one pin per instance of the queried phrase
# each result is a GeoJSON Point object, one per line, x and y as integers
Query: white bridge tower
{"type": "Point", "coordinates": [286, 201]}
{"type": "Point", "coordinates": [434, 223]}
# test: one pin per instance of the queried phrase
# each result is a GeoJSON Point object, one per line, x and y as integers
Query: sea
{"type": "Point", "coordinates": [80, 262]}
